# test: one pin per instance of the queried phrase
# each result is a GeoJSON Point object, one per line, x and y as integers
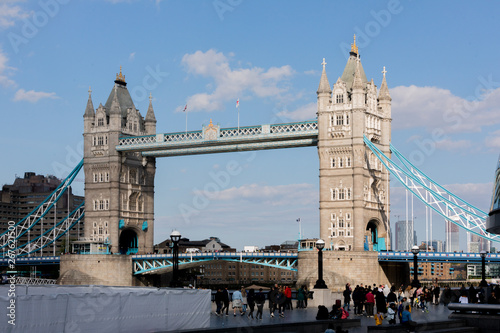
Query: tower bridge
{"type": "Point", "coordinates": [352, 134]}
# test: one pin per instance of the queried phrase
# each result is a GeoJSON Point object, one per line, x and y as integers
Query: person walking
{"type": "Point", "coordinates": [225, 300]}
{"type": "Point", "coordinates": [260, 299]}
{"type": "Point", "coordinates": [219, 301]}
{"type": "Point", "coordinates": [300, 298]}
{"type": "Point", "coordinates": [288, 295]}
{"type": "Point", "coordinates": [237, 302]}
{"type": "Point", "coordinates": [407, 321]}
{"type": "Point", "coordinates": [272, 300]}
{"type": "Point", "coordinates": [251, 302]}
{"type": "Point", "coordinates": [347, 297]}
{"type": "Point", "coordinates": [369, 303]}
{"type": "Point", "coordinates": [244, 301]}
{"type": "Point", "coordinates": [281, 301]}
{"type": "Point", "coordinates": [436, 292]}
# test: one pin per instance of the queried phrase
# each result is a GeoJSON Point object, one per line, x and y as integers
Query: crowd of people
{"type": "Point", "coordinates": [243, 301]}
{"type": "Point", "coordinates": [379, 302]}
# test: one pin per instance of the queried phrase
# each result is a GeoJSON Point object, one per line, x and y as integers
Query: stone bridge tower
{"type": "Point", "coordinates": [119, 187]}
{"type": "Point", "coordinates": [354, 186]}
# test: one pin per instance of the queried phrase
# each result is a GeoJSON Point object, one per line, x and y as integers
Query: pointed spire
{"type": "Point", "coordinates": [150, 115]}
{"type": "Point", "coordinates": [120, 78]}
{"type": "Point", "coordinates": [384, 90]}
{"type": "Point", "coordinates": [115, 105]}
{"type": "Point", "coordinates": [89, 110]}
{"type": "Point", "coordinates": [324, 85]}
{"type": "Point", "coordinates": [358, 80]}
{"type": "Point", "coordinates": [354, 48]}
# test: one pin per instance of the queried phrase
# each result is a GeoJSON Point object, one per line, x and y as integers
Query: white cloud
{"type": "Point", "coordinates": [448, 144]}
{"type": "Point", "coordinates": [33, 96]}
{"type": "Point", "coordinates": [4, 78]}
{"type": "Point", "coordinates": [9, 13]}
{"type": "Point", "coordinates": [231, 84]}
{"type": "Point", "coordinates": [299, 194]}
{"type": "Point", "coordinates": [304, 112]}
{"type": "Point", "coordinates": [493, 140]}
{"type": "Point", "coordinates": [312, 72]}
{"type": "Point", "coordinates": [432, 107]}
{"type": "Point", "coordinates": [131, 56]}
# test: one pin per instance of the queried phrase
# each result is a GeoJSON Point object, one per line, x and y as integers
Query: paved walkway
{"type": "Point", "coordinates": [436, 313]}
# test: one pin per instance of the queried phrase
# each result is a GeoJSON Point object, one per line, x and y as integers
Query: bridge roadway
{"type": "Point", "coordinates": [154, 263]}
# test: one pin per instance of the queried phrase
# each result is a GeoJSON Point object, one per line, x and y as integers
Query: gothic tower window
{"type": "Point", "coordinates": [341, 194]}
{"type": "Point", "coordinates": [100, 122]}
{"type": "Point", "coordinates": [333, 194]}
{"type": "Point", "coordinates": [340, 98]}
{"type": "Point", "coordinates": [333, 162]}
{"type": "Point", "coordinates": [133, 176]}
{"type": "Point", "coordinates": [341, 162]}
{"type": "Point", "coordinates": [340, 119]}
{"type": "Point", "coordinates": [348, 161]}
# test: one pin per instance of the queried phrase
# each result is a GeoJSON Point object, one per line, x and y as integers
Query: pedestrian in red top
{"type": "Point", "coordinates": [288, 295]}
{"type": "Point", "coordinates": [370, 302]}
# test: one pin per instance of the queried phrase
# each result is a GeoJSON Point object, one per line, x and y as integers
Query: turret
{"type": "Point", "coordinates": [358, 92]}
{"type": "Point", "coordinates": [115, 113]}
{"type": "Point", "coordinates": [89, 115]}
{"type": "Point", "coordinates": [324, 91]}
{"type": "Point", "coordinates": [150, 121]}
{"type": "Point", "coordinates": [384, 104]}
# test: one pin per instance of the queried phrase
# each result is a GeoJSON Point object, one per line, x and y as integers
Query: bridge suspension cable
{"type": "Point", "coordinates": [52, 234]}
{"type": "Point", "coordinates": [28, 222]}
{"type": "Point", "coordinates": [435, 196]}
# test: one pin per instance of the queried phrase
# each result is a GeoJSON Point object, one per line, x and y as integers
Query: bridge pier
{"type": "Point", "coordinates": [354, 267]}
{"type": "Point", "coordinates": [97, 269]}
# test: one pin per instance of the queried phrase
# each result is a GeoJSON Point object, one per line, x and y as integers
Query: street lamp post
{"type": "Point", "coordinates": [175, 236]}
{"type": "Point", "coordinates": [483, 272]}
{"type": "Point", "coordinates": [415, 251]}
{"type": "Point", "coordinates": [320, 283]}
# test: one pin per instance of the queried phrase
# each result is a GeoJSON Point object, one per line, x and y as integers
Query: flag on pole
{"type": "Point", "coordinates": [185, 108]}
{"type": "Point", "coordinates": [238, 103]}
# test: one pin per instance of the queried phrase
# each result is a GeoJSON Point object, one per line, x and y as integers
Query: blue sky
{"type": "Point", "coordinates": [442, 71]}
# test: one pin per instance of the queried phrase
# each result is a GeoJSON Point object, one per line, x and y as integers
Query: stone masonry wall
{"type": "Point", "coordinates": [97, 269]}
{"type": "Point", "coordinates": [341, 267]}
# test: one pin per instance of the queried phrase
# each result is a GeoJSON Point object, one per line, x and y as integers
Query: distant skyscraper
{"type": "Point", "coordinates": [404, 240]}
{"type": "Point", "coordinates": [452, 237]}
{"type": "Point", "coordinates": [437, 245]}
{"type": "Point", "coordinates": [478, 244]}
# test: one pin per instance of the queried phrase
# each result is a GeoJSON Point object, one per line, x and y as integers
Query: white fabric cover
{"type": "Point", "coordinates": [105, 309]}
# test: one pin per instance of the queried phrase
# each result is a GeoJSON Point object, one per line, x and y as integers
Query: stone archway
{"type": "Point", "coordinates": [128, 242]}
{"type": "Point", "coordinates": [374, 240]}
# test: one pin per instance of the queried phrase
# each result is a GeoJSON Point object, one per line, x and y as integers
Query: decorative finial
{"type": "Point", "coordinates": [384, 71]}
{"type": "Point", "coordinates": [354, 48]}
{"type": "Point", "coordinates": [323, 63]}
{"type": "Point", "coordinates": [151, 96]}
{"type": "Point", "coordinates": [120, 77]}
{"type": "Point", "coordinates": [90, 92]}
